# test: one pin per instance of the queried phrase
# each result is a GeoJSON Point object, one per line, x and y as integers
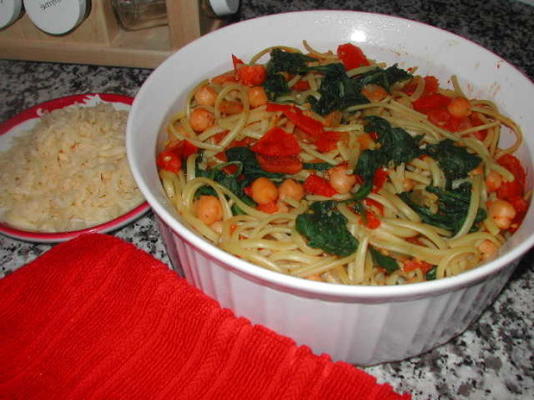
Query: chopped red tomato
{"type": "Point", "coordinates": [314, 184]}
{"type": "Point", "coordinates": [237, 62]}
{"type": "Point", "coordinates": [276, 142]}
{"type": "Point", "coordinates": [169, 160]}
{"type": "Point", "coordinates": [371, 220]}
{"type": "Point", "coordinates": [439, 116]}
{"type": "Point", "coordinates": [458, 124]}
{"type": "Point", "coordinates": [373, 203]}
{"type": "Point", "coordinates": [351, 56]}
{"type": "Point", "coordinates": [413, 263]}
{"type": "Point", "coordinates": [379, 179]}
{"type": "Point", "coordinates": [509, 190]}
{"type": "Point", "coordinates": [280, 164]}
{"type": "Point", "coordinates": [274, 107]}
{"type": "Point", "coordinates": [327, 141]}
{"type": "Point", "coordinates": [307, 124]}
{"type": "Point", "coordinates": [252, 75]}
{"type": "Point", "coordinates": [301, 86]}
{"type": "Point", "coordinates": [241, 143]}
{"type": "Point", "coordinates": [476, 121]}
{"type": "Point", "coordinates": [431, 102]}
{"type": "Point", "coordinates": [516, 188]}
{"type": "Point", "coordinates": [188, 149]}
{"type": "Point", "coordinates": [431, 86]}
{"type": "Point", "coordinates": [220, 136]}
{"type": "Point", "coordinates": [512, 164]}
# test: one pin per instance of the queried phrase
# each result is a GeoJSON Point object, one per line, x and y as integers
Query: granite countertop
{"type": "Point", "coordinates": [494, 358]}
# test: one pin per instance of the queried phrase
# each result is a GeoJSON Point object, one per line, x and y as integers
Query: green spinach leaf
{"type": "Point", "coordinates": [326, 228]}
{"type": "Point", "coordinates": [386, 262]}
{"type": "Point", "coordinates": [396, 146]}
{"type": "Point", "coordinates": [452, 208]}
{"type": "Point", "coordinates": [455, 161]}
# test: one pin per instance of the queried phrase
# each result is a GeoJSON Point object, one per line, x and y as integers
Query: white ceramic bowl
{"type": "Point", "coordinates": [359, 324]}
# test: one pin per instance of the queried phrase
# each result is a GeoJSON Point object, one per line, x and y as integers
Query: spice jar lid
{"type": "Point", "coordinates": [224, 7]}
{"type": "Point", "coordinates": [9, 12]}
{"type": "Point", "coordinates": [56, 16]}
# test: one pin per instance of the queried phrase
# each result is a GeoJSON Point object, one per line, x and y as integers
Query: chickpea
{"type": "Point", "coordinates": [206, 95]}
{"type": "Point", "coordinates": [488, 249]}
{"type": "Point", "coordinates": [230, 107]}
{"type": "Point", "coordinates": [459, 107]}
{"type": "Point", "coordinates": [340, 180]}
{"type": "Point", "coordinates": [208, 209]}
{"type": "Point", "coordinates": [502, 213]}
{"type": "Point", "coordinates": [291, 189]}
{"type": "Point", "coordinates": [264, 191]}
{"type": "Point", "coordinates": [493, 181]}
{"type": "Point", "coordinates": [201, 119]}
{"type": "Point", "coordinates": [257, 96]}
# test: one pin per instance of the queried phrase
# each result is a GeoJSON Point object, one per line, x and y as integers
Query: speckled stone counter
{"type": "Point", "coordinates": [494, 358]}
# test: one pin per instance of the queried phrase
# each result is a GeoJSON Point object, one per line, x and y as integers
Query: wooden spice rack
{"type": "Point", "coordinates": [100, 39]}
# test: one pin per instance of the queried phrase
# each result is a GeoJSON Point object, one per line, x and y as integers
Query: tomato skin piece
{"type": "Point", "coordinates": [439, 116]}
{"type": "Point", "coordinates": [512, 164]}
{"type": "Point", "coordinates": [509, 190]}
{"type": "Point", "coordinates": [373, 203]}
{"type": "Point", "coordinates": [237, 62]}
{"type": "Point", "coordinates": [301, 86]}
{"type": "Point", "coordinates": [252, 75]}
{"type": "Point", "coordinates": [431, 86]}
{"type": "Point", "coordinates": [516, 188]}
{"type": "Point", "coordinates": [476, 121]}
{"type": "Point", "coordinates": [307, 124]}
{"type": "Point", "coordinates": [168, 160]}
{"type": "Point", "coordinates": [280, 164]}
{"type": "Point", "coordinates": [327, 141]}
{"type": "Point", "coordinates": [277, 143]}
{"type": "Point", "coordinates": [379, 179]}
{"type": "Point", "coordinates": [371, 220]}
{"type": "Point", "coordinates": [188, 149]}
{"type": "Point", "coordinates": [413, 263]}
{"type": "Point", "coordinates": [430, 102]}
{"type": "Point", "coordinates": [351, 56]}
{"type": "Point", "coordinates": [314, 184]}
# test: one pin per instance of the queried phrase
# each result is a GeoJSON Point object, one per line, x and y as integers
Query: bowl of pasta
{"type": "Point", "coordinates": [346, 185]}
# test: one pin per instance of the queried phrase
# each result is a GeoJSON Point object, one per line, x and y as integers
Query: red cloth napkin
{"type": "Point", "coordinates": [97, 318]}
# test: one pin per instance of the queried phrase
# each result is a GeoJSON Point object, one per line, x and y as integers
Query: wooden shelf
{"type": "Point", "coordinates": [101, 40]}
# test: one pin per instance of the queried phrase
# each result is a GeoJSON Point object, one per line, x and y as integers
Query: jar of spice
{"type": "Point", "coordinates": [10, 11]}
{"type": "Point", "coordinates": [57, 17]}
{"type": "Point", "coordinates": [141, 14]}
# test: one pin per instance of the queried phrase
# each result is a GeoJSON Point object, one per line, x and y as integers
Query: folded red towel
{"type": "Point", "coordinates": [97, 318]}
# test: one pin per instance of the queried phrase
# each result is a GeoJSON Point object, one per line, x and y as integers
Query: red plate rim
{"type": "Point", "coordinates": [36, 111]}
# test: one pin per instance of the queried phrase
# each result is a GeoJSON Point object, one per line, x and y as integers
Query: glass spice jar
{"type": "Point", "coordinates": [140, 14]}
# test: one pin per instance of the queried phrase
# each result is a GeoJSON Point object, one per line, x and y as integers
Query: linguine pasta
{"type": "Point", "coordinates": [333, 167]}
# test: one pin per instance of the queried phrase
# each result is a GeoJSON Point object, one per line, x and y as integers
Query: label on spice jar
{"type": "Point", "coordinates": [56, 17]}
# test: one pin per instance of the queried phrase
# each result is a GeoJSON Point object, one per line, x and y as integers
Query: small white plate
{"type": "Point", "coordinates": [25, 121]}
